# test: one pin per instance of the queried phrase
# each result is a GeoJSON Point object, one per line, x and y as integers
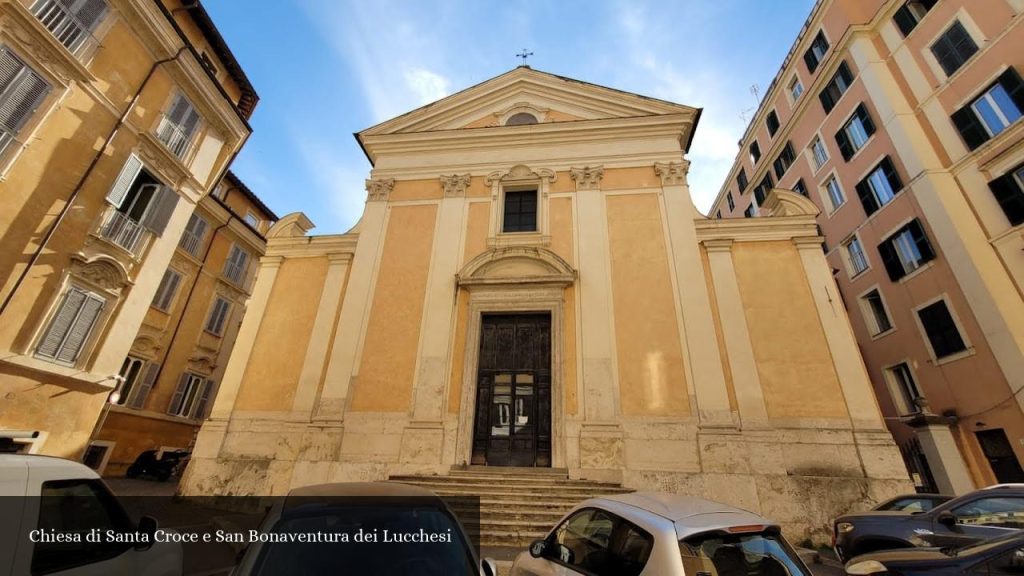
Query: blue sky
{"type": "Point", "coordinates": [325, 69]}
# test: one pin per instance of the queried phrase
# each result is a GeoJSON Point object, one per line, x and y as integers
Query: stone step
{"type": "Point", "coordinates": [457, 487]}
{"type": "Point", "coordinates": [510, 470]}
{"type": "Point", "coordinates": [488, 479]}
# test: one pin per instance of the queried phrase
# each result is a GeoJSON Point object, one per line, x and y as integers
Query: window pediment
{"type": "Point", "coordinates": [517, 265]}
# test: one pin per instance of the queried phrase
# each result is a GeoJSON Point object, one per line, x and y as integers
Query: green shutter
{"type": "Point", "coordinates": [1010, 197]}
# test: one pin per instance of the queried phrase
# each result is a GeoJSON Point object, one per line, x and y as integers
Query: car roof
{"type": "Point", "coordinates": [40, 462]}
{"type": "Point", "coordinates": [690, 514]}
{"type": "Point", "coordinates": [361, 489]}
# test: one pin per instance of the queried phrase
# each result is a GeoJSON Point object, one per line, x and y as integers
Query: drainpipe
{"type": "Point", "coordinates": [81, 181]}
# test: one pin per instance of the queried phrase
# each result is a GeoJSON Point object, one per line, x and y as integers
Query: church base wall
{"type": "Point", "coordinates": [801, 478]}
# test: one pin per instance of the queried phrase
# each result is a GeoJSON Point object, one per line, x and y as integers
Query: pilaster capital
{"type": "Point", "coordinates": [588, 177]}
{"type": "Point", "coordinates": [718, 245]}
{"type": "Point", "coordinates": [672, 173]}
{"type": "Point", "coordinates": [337, 259]}
{"type": "Point", "coordinates": [455, 185]}
{"type": "Point", "coordinates": [379, 189]}
{"type": "Point", "coordinates": [271, 262]}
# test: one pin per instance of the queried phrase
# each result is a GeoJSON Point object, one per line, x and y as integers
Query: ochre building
{"type": "Point", "coordinates": [116, 118]}
{"type": "Point", "coordinates": [530, 285]}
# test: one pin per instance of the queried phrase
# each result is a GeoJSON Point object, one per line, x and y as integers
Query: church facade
{"type": "Point", "coordinates": [531, 285]}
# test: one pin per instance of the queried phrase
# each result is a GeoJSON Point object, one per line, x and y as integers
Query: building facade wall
{"type": "Point", "coordinates": [944, 186]}
{"type": "Point", "coordinates": [105, 105]}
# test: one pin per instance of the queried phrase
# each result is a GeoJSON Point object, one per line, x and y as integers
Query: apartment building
{"type": "Point", "coordinates": [172, 371]}
{"type": "Point", "coordinates": [116, 118]}
{"type": "Point", "coordinates": [901, 121]}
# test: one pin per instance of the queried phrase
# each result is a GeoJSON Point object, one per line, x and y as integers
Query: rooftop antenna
{"type": "Point", "coordinates": [755, 91]}
{"type": "Point", "coordinates": [524, 55]}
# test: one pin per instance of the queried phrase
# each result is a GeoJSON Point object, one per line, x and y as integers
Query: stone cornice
{"type": "Point", "coordinates": [379, 189]}
{"type": "Point", "coordinates": [588, 177]}
{"type": "Point", "coordinates": [755, 229]}
{"type": "Point", "coordinates": [455, 185]}
{"type": "Point", "coordinates": [332, 246]}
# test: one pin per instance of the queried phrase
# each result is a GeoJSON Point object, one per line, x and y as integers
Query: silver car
{"type": "Point", "coordinates": [656, 533]}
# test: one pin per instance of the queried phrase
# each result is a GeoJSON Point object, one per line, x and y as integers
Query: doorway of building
{"type": "Point", "coordinates": [513, 398]}
{"type": "Point", "coordinates": [1000, 456]}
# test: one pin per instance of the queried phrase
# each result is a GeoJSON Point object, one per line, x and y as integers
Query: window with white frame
{"type": "Point", "coordinates": [164, 296]}
{"type": "Point", "coordinates": [906, 250]}
{"type": "Point", "coordinates": [22, 91]}
{"type": "Point", "coordinates": [911, 13]}
{"type": "Point", "coordinates": [994, 110]}
{"type": "Point", "coordinates": [751, 210]}
{"type": "Point", "coordinates": [178, 125]}
{"type": "Point", "coordinates": [218, 316]}
{"type": "Point", "coordinates": [819, 152]}
{"type": "Point", "coordinates": [140, 203]}
{"type": "Point", "coordinates": [834, 193]}
{"type": "Point", "coordinates": [940, 328]}
{"type": "Point", "coordinates": [855, 132]}
{"type": "Point", "coordinates": [855, 257]}
{"type": "Point", "coordinates": [251, 219]}
{"type": "Point", "coordinates": [192, 238]}
{"type": "Point", "coordinates": [795, 88]}
{"type": "Point", "coordinates": [953, 48]}
{"type": "Point", "coordinates": [816, 52]}
{"type": "Point", "coordinates": [131, 375]}
{"type": "Point", "coordinates": [191, 397]}
{"type": "Point", "coordinates": [68, 332]}
{"type": "Point", "coordinates": [879, 187]}
{"type": "Point", "coordinates": [875, 314]}
{"type": "Point", "coordinates": [71, 22]}
{"type": "Point", "coordinates": [236, 264]}
{"type": "Point", "coordinates": [903, 389]}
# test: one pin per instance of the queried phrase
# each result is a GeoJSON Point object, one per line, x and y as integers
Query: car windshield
{"type": "Point", "coordinates": [762, 554]}
{"type": "Point", "coordinates": [367, 540]}
{"type": "Point", "coordinates": [914, 505]}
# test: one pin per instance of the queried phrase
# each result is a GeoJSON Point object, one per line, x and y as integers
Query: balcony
{"type": "Point", "coordinates": [174, 137]}
{"type": "Point", "coordinates": [66, 26]}
{"type": "Point", "coordinates": [124, 232]}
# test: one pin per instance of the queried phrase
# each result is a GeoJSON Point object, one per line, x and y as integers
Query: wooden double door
{"type": "Point", "coordinates": [513, 397]}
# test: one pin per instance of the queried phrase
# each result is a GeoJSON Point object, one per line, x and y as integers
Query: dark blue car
{"type": "Point", "coordinates": [996, 557]}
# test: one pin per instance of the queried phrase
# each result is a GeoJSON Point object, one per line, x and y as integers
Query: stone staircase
{"type": "Point", "coordinates": [517, 505]}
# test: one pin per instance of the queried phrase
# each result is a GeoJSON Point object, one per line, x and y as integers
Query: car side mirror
{"type": "Point", "coordinates": [537, 548]}
{"type": "Point", "coordinates": [946, 518]}
{"type": "Point", "coordinates": [148, 526]}
{"type": "Point", "coordinates": [488, 567]}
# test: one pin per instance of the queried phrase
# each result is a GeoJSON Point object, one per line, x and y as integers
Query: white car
{"type": "Point", "coordinates": [648, 533]}
{"type": "Point", "coordinates": [49, 508]}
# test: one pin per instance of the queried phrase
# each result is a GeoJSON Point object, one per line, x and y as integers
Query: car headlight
{"type": "Point", "coordinates": [866, 567]}
{"type": "Point", "coordinates": [844, 527]}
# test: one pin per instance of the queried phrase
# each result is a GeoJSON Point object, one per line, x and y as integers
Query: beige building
{"type": "Point", "coordinates": [901, 122]}
{"type": "Point", "coordinates": [530, 285]}
{"type": "Point", "coordinates": [178, 358]}
{"type": "Point", "coordinates": [116, 118]}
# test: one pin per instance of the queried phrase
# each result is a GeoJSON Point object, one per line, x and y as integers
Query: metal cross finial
{"type": "Point", "coordinates": [524, 55]}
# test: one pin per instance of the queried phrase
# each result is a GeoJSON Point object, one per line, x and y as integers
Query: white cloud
{"type": "Point", "coordinates": [343, 183]}
{"type": "Point", "coordinates": [428, 86]}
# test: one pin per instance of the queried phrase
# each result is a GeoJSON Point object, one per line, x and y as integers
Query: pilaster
{"type": "Point", "coordinates": [745, 378]}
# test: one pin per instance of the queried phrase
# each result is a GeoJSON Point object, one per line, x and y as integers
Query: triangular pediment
{"type": "Point", "coordinates": [546, 97]}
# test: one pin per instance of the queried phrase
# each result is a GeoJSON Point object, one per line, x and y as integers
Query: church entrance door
{"type": "Point", "coordinates": [513, 398]}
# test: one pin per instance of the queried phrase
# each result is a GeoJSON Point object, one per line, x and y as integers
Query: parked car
{"type": "Point", "coordinates": [995, 557]}
{"type": "Point", "coordinates": [646, 533]}
{"type": "Point", "coordinates": [362, 507]}
{"type": "Point", "coordinates": [158, 465]}
{"type": "Point", "coordinates": [979, 515]}
{"type": "Point", "coordinates": [53, 495]}
{"type": "Point", "coordinates": [913, 502]}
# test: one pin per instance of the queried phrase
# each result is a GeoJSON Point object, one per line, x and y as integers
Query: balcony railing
{"type": "Point", "coordinates": [123, 231]}
{"type": "Point", "coordinates": [235, 271]}
{"type": "Point", "coordinates": [63, 24]}
{"type": "Point", "coordinates": [174, 137]}
{"type": "Point", "coordinates": [190, 243]}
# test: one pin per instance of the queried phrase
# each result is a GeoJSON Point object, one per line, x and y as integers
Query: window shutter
{"type": "Point", "coordinates": [845, 148]}
{"type": "Point", "coordinates": [49, 344]}
{"type": "Point", "coordinates": [178, 110]}
{"type": "Point", "coordinates": [80, 329]}
{"type": "Point", "coordinates": [867, 199]}
{"type": "Point", "coordinates": [1010, 197]}
{"type": "Point", "coordinates": [190, 122]}
{"type": "Point", "coordinates": [811, 60]}
{"type": "Point", "coordinates": [90, 13]}
{"type": "Point", "coordinates": [970, 127]}
{"type": "Point", "coordinates": [138, 399]}
{"type": "Point", "coordinates": [891, 175]}
{"type": "Point", "coordinates": [890, 260]}
{"type": "Point", "coordinates": [130, 171]}
{"type": "Point", "coordinates": [21, 98]}
{"type": "Point", "coordinates": [780, 167]}
{"type": "Point", "coordinates": [10, 65]}
{"type": "Point", "coordinates": [204, 399]}
{"type": "Point", "coordinates": [179, 395]}
{"type": "Point", "coordinates": [845, 74]}
{"type": "Point", "coordinates": [865, 119]}
{"type": "Point", "coordinates": [164, 203]}
{"type": "Point", "coordinates": [1014, 87]}
{"type": "Point", "coordinates": [905, 20]}
{"type": "Point", "coordinates": [826, 99]}
{"type": "Point", "coordinates": [921, 239]}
